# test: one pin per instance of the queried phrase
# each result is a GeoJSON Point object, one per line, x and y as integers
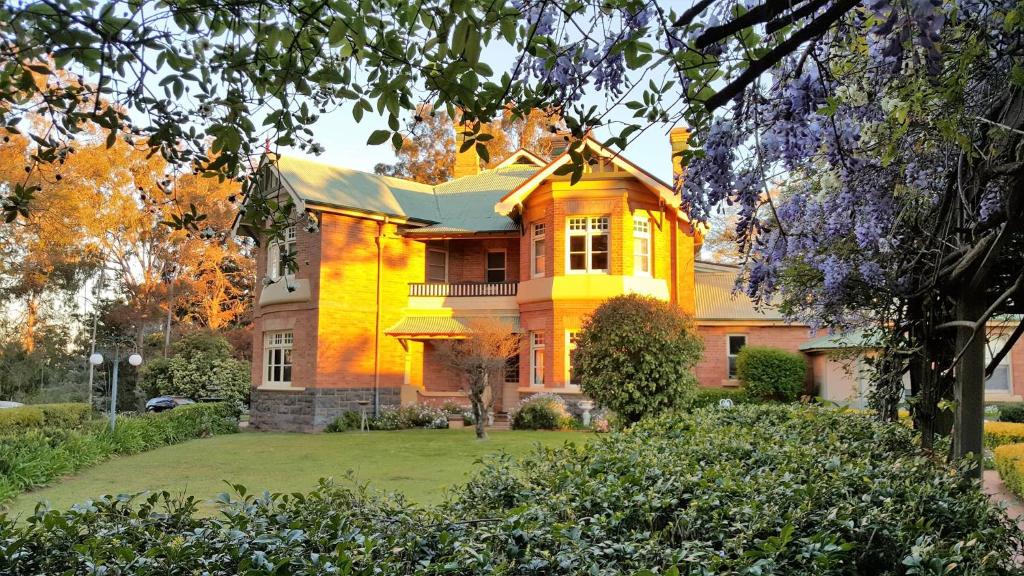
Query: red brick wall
{"type": "Point", "coordinates": [348, 277]}
{"type": "Point", "coordinates": [713, 370]}
{"type": "Point", "coordinates": [467, 259]}
{"type": "Point", "coordinates": [300, 317]}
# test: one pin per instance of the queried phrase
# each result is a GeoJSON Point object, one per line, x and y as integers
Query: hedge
{"type": "Point", "coordinates": [67, 415]}
{"type": "Point", "coordinates": [1001, 433]}
{"type": "Point", "coordinates": [756, 489]}
{"type": "Point", "coordinates": [770, 373]}
{"type": "Point", "coordinates": [1011, 412]}
{"type": "Point", "coordinates": [705, 397]}
{"type": "Point", "coordinates": [543, 411]}
{"type": "Point", "coordinates": [35, 457]}
{"type": "Point", "coordinates": [1010, 464]}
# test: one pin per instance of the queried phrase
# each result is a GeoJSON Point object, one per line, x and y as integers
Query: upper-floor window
{"type": "Point", "coordinates": [281, 255]}
{"type": "Point", "coordinates": [496, 266]}
{"type": "Point", "coordinates": [537, 259]}
{"type": "Point", "coordinates": [437, 265]}
{"type": "Point", "coordinates": [641, 246]}
{"type": "Point", "coordinates": [999, 381]}
{"type": "Point", "coordinates": [588, 244]}
{"type": "Point", "coordinates": [736, 342]}
{"type": "Point", "coordinates": [277, 357]}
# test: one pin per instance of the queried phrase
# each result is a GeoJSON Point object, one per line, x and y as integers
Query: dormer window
{"type": "Point", "coordinates": [281, 255]}
{"type": "Point", "coordinates": [588, 244]}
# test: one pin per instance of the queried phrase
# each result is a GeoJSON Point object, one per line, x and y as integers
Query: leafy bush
{"type": "Point", "coordinates": [1010, 464]}
{"type": "Point", "coordinates": [635, 355]}
{"type": "Point", "coordinates": [349, 420]}
{"type": "Point", "coordinates": [410, 416]}
{"type": "Point", "coordinates": [1011, 412]}
{"type": "Point", "coordinates": [35, 457]}
{"type": "Point", "coordinates": [770, 373]}
{"type": "Point", "coordinates": [202, 365]}
{"type": "Point", "coordinates": [543, 411]}
{"type": "Point", "coordinates": [1000, 433]}
{"type": "Point", "coordinates": [66, 415]}
{"type": "Point", "coordinates": [752, 490]}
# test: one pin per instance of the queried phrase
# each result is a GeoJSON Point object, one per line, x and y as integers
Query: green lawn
{"type": "Point", "coordinates": [418, 463]}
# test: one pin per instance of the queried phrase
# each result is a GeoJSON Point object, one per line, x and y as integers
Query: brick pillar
{"type": "Point", "coordinates": [467, 163]}
{"type": "Point", "coordinates": [678, 138]}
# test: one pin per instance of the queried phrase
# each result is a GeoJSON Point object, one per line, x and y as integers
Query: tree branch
{"type": "Point", "coordinates": [757, 15]}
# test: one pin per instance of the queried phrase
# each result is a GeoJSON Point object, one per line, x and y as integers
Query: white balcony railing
{"type": "Point", "coordinates": [464, 289]}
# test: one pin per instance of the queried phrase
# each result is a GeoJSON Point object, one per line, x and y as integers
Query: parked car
{"type": "Point", "coordinates": [162, 403]}
{"type": "Point", "coordinates": [7, 404]}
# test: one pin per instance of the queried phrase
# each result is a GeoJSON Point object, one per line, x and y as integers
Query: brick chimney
{"type": "Point", "coordinates": [466, 163]}
{"type": "Point", "coordinates": [678, 138]}
{"type": "Point", "coordinates": [554, 143]}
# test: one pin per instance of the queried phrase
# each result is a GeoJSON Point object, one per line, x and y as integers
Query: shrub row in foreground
{"type": "Point", "coordinates": [1010, 464]}
{"type": "Point", "coordinates": [65, 415]}
{"type": "Point", "coordinates": [37, 456]}
{"type": "Point", "coordinates": [1001, 433]}
{"type": "Point", "coordinates": [392, 418]}
{"type": "Point", "coordinates": [750, 490]}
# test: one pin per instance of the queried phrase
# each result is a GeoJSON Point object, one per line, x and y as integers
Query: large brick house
{"type": "Point", "coordinates": [396, 266]}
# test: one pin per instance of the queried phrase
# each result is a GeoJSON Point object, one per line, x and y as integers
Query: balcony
{"type": "Point", "coordinates": [462, 289]}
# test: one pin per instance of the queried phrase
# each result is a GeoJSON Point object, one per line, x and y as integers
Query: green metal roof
{"type": "Point", "coordinates": [852, 339]}
{"type": "Point", "coordinates": [440, 326]}
{"type": "Point", "coordinates": [463, 205]}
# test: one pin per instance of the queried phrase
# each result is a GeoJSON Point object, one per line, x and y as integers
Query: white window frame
{"type": "Point", "coordinates": [538, 234]}
{"type": "Point", "coordinates": [569, 347]}
{"type": "Point", "coordinates": [426, 265]}
{"type": "Point", "coordinates": [537, 345]}
{"type": "Point", "coordinates": [278, 340]}
{"type": "Point", "coordinates": [730, 358]}
{"type": "Point", "coordinates": [504, 264]}
{"type": "Point", "coordinates": [588, 232]}
{"type": "Point", "coordinates": [274, 250]}
{"type": "Point", "coordinates": [641, 234]}
{"type": "Point", "coordinates": [993, 345]}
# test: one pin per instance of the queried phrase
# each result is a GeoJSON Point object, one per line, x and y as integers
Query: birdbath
{"type": "Point", "coordinates": [586, 406]}
{"type": "Point", "coordinates": [364, 425]}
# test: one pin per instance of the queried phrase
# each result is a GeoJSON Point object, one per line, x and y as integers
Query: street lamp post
{"type": "Point", "coordinates": [135, 359]}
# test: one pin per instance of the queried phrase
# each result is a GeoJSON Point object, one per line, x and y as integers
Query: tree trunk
{"type": "Point", "coordinates": [476, 396]}
{"type": "Point", "coordinates": [970, 383]}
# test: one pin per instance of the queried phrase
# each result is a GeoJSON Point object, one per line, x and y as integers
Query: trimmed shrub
{"type": "Point", "coordinates": [635, 355]}
{"type": "Point", "coordinates": [763, 489]}
{"type": "Point", "coordinates": [66, 415]}
{"type": "Point", "coordinates": [1010, 464]}
{"type": "Point", "coordinates": [1011, 412]}
{"type": "Point", "coordinates": [770, 373]}
{"type": "Point", "coordinates": [35, 457]}
{"type": "Point", "coordinates": [542, 412]}
{"type": "Point", "coordinates": [1000, 433]}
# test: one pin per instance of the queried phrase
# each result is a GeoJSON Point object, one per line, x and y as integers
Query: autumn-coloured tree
{"type": "Point", "coordinates": [428, 149]}
{"type": "Point", "coordinates": [478, 358]}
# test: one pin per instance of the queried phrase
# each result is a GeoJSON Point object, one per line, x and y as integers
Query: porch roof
{"type": "Point", "coordinates": [440, 326]}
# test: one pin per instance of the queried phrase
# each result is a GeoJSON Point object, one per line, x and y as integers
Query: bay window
{"type": "Point", "coordinates": [537, 244]}
{"type": "Point", "coordinates": [641, 246]}
{"type": "Point", "coordinates": [588, 244]}
{"type": "Point", "coordinates": [537, 358]}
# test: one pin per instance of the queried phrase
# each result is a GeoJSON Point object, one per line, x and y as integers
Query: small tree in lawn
{"type": "Point", "coordinates": [635, 355]}
{"type": "Point", "coordinates": [479, 357]}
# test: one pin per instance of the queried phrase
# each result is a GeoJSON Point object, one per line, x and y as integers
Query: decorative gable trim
{"type": "Point", "coordinates": [522, 154]}
{"type": "Point", "coordinates": [665, 194]}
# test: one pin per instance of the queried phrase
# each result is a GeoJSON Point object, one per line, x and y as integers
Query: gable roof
{"type": "Point", "coordinates": [519, 156]}
{"type": "Point", "coordinates": [655, 185]}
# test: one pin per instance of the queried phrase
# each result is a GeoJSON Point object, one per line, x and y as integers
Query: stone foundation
{"type": "Point", "coordinates": [312, 409]}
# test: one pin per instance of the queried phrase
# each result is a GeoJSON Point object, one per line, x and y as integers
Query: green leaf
{"type": "Point", "coordinates": [378, 137]}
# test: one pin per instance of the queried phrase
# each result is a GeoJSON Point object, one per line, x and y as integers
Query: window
{"type": "Point", "coordinates": [571, 337]}
{"type": "Point", "coordinates": [736, 343]}
{"type": "Point", "coordinates": [588, 244]}
{"type": "Point", "coordinates": [999, 381]}
{"type": "Point", "coordinates": [280, 253]}
{"type": "Point", "coordinates": [277, 358]}
{"type": "Point", "coordinates": [496, 266]}
{"type": "Point", "coordinates": [437, 265]}
{"type": "Point", "coordinates": [641, 246]}
{"type": "Point", "coordinates": [537, 259]}
{"type": "Point", "coordinates": [512, 369]}
{"type": "Point", "coordinates": [537, 358]}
